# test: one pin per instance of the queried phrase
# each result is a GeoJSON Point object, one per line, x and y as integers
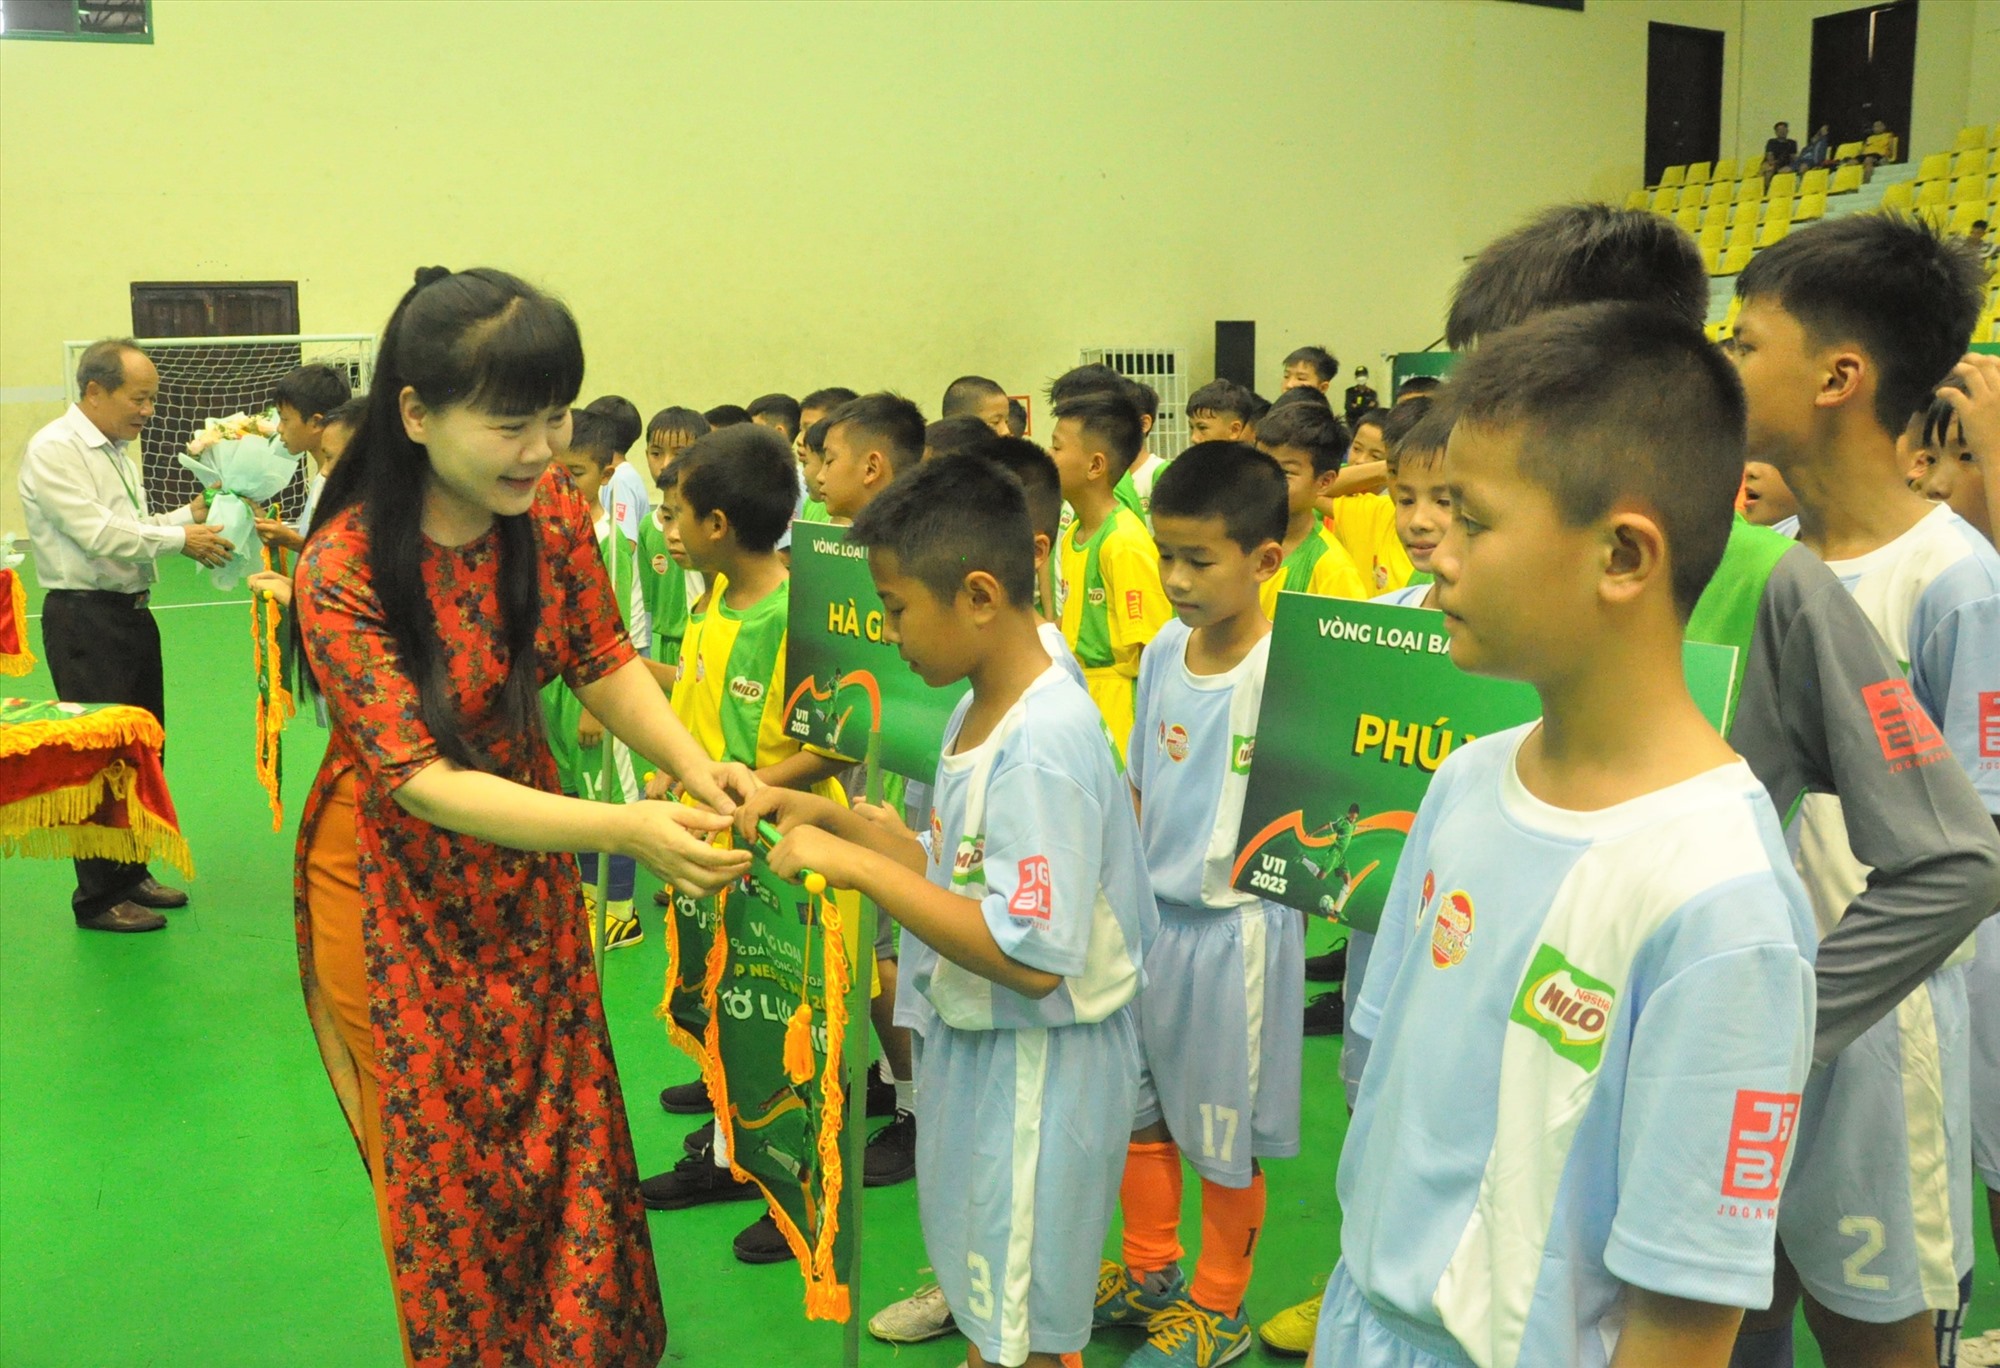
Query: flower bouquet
{"type": "Point", "coordinates": [241, 463]}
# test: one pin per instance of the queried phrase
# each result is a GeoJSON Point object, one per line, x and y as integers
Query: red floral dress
{"type": "Point", "coordinates": [510, 1191]}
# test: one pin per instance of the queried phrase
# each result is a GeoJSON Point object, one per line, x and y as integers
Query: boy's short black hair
{"type": "Point", "coordinates": [965, 394]}
{"type": "Point", "coordinates": [1619, 401]}
{"type": "Point", "coordinates": [1146, 398]}
{"type": "Point", "coordinates": [312, 391]}
{"type": "Point", "coordinates": [1232, 481]}
{"type": "Point", "coordinates": [1038, 475]}
{"type": "Point", "coordinates": [348, 415]}
{"type": "Point", "coordinates": [1406, 415]}
{"type": "Point", "coordinates": [1303, 394]}
{"type": "Point", "coordinates": [1323, 362]}
{"type": "Point", "coordinates": [1941, 419]}
{"type": "Point", "coordinates": [816, 434]}
{"type": "Point", "coordinates": [782, 407]}
{"type": "Point", "coordinates": [825, 401]}
{"type": "Point", "coordinates": [1111, 418]}
{"type": "Point", "coordinates": [747, 471]}
{"type": "Point", "coordinates": [1415, 385]}
{"type": "Point", "coordinates": [1371, 417]}
{"type": "Point", "coordinates": [956, 436]}
{"type": "Point", "coordinates": [1578, 254]}
{"type": "Point", "coordinates": [624, 416]}
{"type": "Point", "coordinates": [1887, 283]}
{"type": "Point", "coordinates": [726, 415]}
{"type": "Point", "coordinates": [1422, 440]}
{"type": "Point", "coordinates": [1221, 397]}
{"type": "Point", "coordinates": [1312, 428]}
{"type": "Point", "coordinates": [1017, 418]}
{"type": "Point", "coordinates": [593, 435]}
{"type": "Point", "coordinates": [1094, 378]}
{"type": "Point", "coordinates": [946, 519]}
{"type": "Point", "coordinates": [885, 422]}
{"type": "Point", "coordinates": [677, 418]}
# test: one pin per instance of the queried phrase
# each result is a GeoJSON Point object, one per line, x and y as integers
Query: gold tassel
{"type": "Point", "coordinates": [798, 1044]}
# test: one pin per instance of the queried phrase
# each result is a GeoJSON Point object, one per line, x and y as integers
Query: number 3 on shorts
{"type": "Point", "coordinates": [979, 1296]}
{"type": "Point", "coordinates": [1872, 1241]}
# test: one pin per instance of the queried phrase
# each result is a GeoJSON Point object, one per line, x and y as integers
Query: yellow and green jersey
{"type": "Point", "coordinates": [1366, 526]}
{"type": "Point", "coordinates": [730, 694]}
{"type": "Point", "coordinates": [1317, 565]}
{"type": "Point", "coordinates": [1112, 605]}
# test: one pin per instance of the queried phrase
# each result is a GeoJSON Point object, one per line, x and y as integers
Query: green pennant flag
{"type": "Point", "coordinates": [1361, 706]}
{"type": "Point", "coordinates": [841, 676]}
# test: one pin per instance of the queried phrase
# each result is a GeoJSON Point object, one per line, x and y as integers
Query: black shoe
{"type": "Point", "coordinates": [150, 893]}
{"type": "Point", "coordinates": [694, 1181]}
{"type": "Point", "coordinates": [762, 1244]}
{"type": "Point", "coordinates": [125, 916]}
{"type": "Point", "coordinates": [662, 898]}
{"type": "Point", "coordinates": [1323, 1014]}
{"type": "Point", "coordinates": [881, 1095]}
{"type": "Point", "coordinates": [1328, 968]}
{"type": "Point", "coordinates": [687, 1099]}
{"type": "Point", "coordinates": [699, 1139]}
{"type": "Point", "coordinates": [892, 1153]}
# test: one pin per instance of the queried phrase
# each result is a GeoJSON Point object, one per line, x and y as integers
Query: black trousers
{"type": "Point", "coordinates": [104, 648]}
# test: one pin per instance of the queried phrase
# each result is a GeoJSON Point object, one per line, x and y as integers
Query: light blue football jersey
{"type": "Point", "coordinates": [1189, 758]}
{"type": "Point", "coordinates": [1589, 1035]}
{"type": "Point", "coordinates": [1036, 823]}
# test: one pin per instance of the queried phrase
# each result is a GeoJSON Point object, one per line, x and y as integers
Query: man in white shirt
{"type": "Point", "coordinates": [95, 546]}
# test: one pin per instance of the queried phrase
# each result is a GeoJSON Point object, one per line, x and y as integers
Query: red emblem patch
{"type": "Point", "coordinates": [1989, 726]}
{"type": "Point", "coordinates": [1033, 893]}
{"type": "Point", "coordinates": [1759, 1134]}
{"type": "Point", "coordinates": [1904, 729]}
{"type": "Point", "coordinates": [1135, 605]}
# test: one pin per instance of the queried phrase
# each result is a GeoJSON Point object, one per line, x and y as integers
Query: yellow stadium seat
{"type": "Point", "coordinates": [1969, 189]}
{"type": "Point", "coordinates": [1963, 216]}
{"type": "Point", "coordinates": [1692, 197]}
{"type": "Point", "coordinates": [1730, 314]}
{"type": "Point", "coordinates": [1725, 170]}
{"type": "Point", "coordinates": [1935, 167]}
{"type": "Point", "coordinates": [1751, 191]}
{"type": "Point", "coordinates": [1971, 163]}
{"type": "Point", "coordinates": [1697, 173]}
{"type": "Point", "coordinates": [1934, 214]}
{"type": "Point", "coordinates": [1715, 216]}
{"type": "Point", "coordinates": [1774, 230]}
{"type": "Point", "coordinates": [1993, 138]}
{"type": "Point", "coordinates": [1970, 138]}
{"type": "Point", "coordinates": [1811, 207]}
{"type": "Point", "coordinates": [1712, 235]}
{"type": "Point", "coordinates": [1741, 235]}
{"type": "Point", "coordinates": [1689, 218]}
{"type": "Point", "coordinates": [1783, 186]}
{"type": "Point", "coordinates": [1814, 181]}
{"type": "Point", "coordinates": [1638, 199]}
{"type": "Point", "coordinates": [1933, 192]}
{"type": "Point", "coordinates": [1673, 175]}
{"type": "Point", "coordinates": [1847, 152]}
{"type": "Point", "coordinates": [1736, 258]}
{"type": "Point", "coordinates": [1993, 162]}
{"type": "Point", "coordinates": [1663, 199]}
{"type": "Point", "coordinates": [1710, 258]}
{"type": "Point", "coordinates": [1746, 211]}
{"type": "Point", "coordinates": [1846, 180]}
{"type": "Point", "coordinates": [1901, 196]}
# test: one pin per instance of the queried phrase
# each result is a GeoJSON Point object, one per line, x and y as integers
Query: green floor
{"type": "Point", "coordinates": [177, 1186]}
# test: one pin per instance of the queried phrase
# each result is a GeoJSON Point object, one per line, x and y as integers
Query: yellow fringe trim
{"type": "Point", "coordinates": [115, 726]}
{"type": "Point", "coordinates": [274, 701]}
{"type": "Point", "coordinates": [56, 825]}
{"type": "Point", "coordinates": [13, 662]}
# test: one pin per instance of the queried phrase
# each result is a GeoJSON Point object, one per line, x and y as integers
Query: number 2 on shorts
{"type": "Point", "coordinates": [1213, 1117]}
{"type": "Point", "coordinates": [979, 1295]}
{"type": "Point", "coordinates": [1872, 1241]}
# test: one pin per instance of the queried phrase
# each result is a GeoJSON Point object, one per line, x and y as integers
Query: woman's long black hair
{"type": "Point", "coordinates": [479, 337]}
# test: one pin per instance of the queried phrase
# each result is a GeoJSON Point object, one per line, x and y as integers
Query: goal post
{"type": "Point", "coordinates": [213, 377]}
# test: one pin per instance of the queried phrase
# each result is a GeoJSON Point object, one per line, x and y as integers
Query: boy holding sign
{"type": "Point", "coordinates": [1604, 1153]}
{"type": "Point", "coordinates": [1219, 1024]}
{"type": "Point", "coordinates": [1029, 893]}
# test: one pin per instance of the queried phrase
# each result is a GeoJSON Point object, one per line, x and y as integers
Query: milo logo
{"type": "Point", "coordinates": [1565, 1007]}
{"type": "Point", "coordinates": [1095, 597]}
{"type": "Point", "coordinates": [660, 563]}
{"type": "Point", "coordinates": [1452, 936]}
{"type": "Point", "coordinates": [1241, 748]}
{"type": "Point", "coordinates": [1175, 741]}
{"type": "Point", "coordinates": [746, 690]}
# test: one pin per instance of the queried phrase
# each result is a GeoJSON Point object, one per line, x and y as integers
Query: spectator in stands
{"type": "Point", "coordinates": [1781, 149]}
{"type": "Point", "coordinates": [1977, 240]}
{"type": "Point", "coordinates": [1817, 152]}
{"type": "Point", "coordinates": [1880, 146]}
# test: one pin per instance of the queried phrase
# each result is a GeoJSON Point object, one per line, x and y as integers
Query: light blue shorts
{"type": "Point", "coordinates": [1982, 996]}
{"type": "Point", "coordinates": [1221, 1026]}
{"type": "Point", "coordinates": [1021, 1139]}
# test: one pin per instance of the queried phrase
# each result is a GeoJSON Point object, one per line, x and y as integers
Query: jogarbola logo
{"type": "Point", "coordinates": [1565, 1007]}
{"type": "Point", "coordinates": [1452, 935]}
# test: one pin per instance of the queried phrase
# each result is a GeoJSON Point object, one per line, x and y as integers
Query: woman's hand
{"type": "Point", "coordinates": [272, 532]}
{"type": "Point", "coordinates": [271, 582]}
{"type": "Point", "coordinates": [671, 840]}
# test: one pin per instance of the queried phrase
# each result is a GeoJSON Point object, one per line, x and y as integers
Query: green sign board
{"type": "Point", "coordinates": [1361, 706]}
{"type": "Point", "coordinates": [839, 673]}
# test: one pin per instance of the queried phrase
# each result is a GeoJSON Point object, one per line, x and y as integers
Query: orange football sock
{"type": "Point", "coordinates": [1151, 1199]}
{"type": "Point", "coordinates": [1072, 1360]}
{"type": "Point", "coordinates": [1231, 1219]}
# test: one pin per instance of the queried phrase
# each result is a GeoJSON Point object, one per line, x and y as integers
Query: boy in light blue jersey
{"type": "Point", "coordinates": [1591, 1000]}
{"type": "Point", "coordinates": [1842, 337]}
{"type": "Point", "coordinates": [1220, 1022]}
{"type": "Point", "coordinates": [1030, 887]}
